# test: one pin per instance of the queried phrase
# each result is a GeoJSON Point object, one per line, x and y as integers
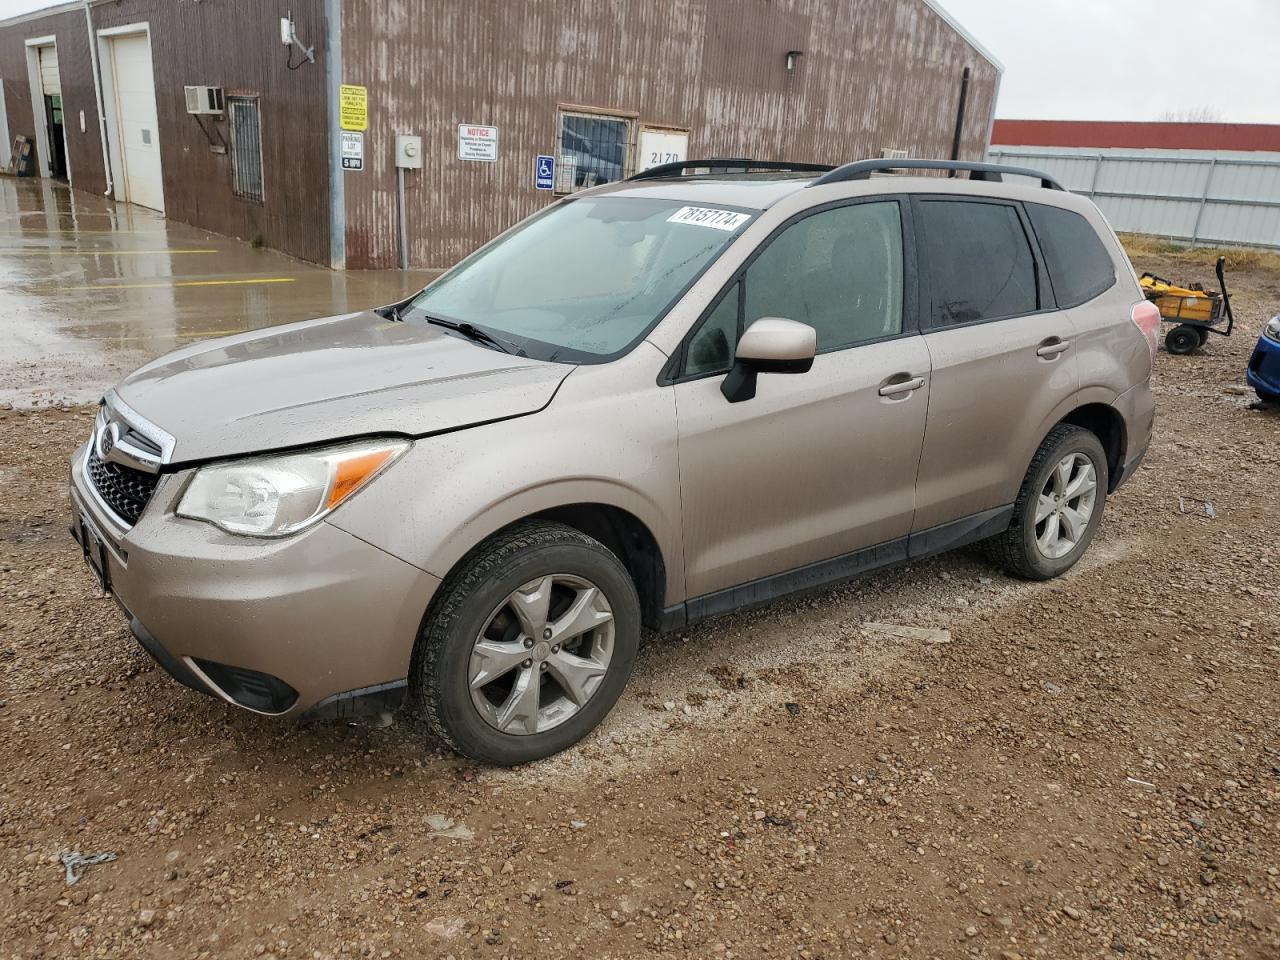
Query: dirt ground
{"type": "Point", "coordinates": [1089, 768]}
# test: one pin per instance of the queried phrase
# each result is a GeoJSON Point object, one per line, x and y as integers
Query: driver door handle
{"type": "Point", "coordinates": [900, 387]}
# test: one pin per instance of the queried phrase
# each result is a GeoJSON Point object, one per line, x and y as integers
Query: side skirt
{"type": "Point", "coordinates": [849, 566]}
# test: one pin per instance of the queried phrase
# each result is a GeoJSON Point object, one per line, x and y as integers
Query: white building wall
{"type": "Point", "coordinates": [1194, 196]}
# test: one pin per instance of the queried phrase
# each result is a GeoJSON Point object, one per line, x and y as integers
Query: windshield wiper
{"type": "Point", "coordinates": [472, 332]}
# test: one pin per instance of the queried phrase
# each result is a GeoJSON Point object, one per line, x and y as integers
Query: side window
{"type": "Point", "coordinates": [1079, 266]}
{"type": "Point", "coordinates": [979, 261]}
{"type": "Point", "coordinates": [840, 271]}
{"type": "Point", "coordinates": [711, 348]}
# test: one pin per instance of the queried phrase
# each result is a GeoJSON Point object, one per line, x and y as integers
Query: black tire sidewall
{"type": "Point", "coordinates": [1077, 441]}
{"type": "Point", "coordinates": [1175, 336]}
{"type": "Point", "coordinates": [465, 726]}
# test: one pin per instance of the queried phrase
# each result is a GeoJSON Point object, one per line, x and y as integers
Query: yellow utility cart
{"type": "Point", "coordinates": [1196, 311]}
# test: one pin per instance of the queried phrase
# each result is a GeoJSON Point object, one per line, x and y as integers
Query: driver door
{"type": "Point", "coordinates": [814, 477]}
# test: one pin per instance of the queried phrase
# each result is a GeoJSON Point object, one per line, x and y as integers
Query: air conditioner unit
{"type": "Point", "coordinates": [888, 153]}
{"type": "Point", "coordinates": [206, 101]}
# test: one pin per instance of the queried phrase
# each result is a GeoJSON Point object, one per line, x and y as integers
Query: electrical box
{"type": "Point", "coordinates": [286, 31]}
{"type": "Point", "coordinates": [409, 152]}
{"type": "Point", "coordinates": [206, 101]}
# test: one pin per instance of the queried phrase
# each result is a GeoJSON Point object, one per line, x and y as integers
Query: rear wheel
{"type": "Point", "coordinates": [1182, 340]}
{"type": "Point", "coordinates": [1058, 508]}
{"type": "Point", "coordinates": [528, 646]}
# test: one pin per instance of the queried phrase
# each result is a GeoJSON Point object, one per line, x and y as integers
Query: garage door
{"type": "Point", "coordinates": [49, 78]}
{"type": "Point", "coordinates": [135, 96]}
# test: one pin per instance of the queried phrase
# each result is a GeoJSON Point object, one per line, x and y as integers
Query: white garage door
{"type": "Point", "coordinates": [49, 78]}
{"type": "Point", "coordinates": [135, 95]}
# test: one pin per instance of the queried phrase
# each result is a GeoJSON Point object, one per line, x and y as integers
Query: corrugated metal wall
{"type": "Point", "coordinates": [84, 153]}
{"type": "Point", "coordinates": [1192, 196]}
{"type": "Point", "coordinates": [874, 75]}
{"type": "Point", "coordinates": [229, 43]}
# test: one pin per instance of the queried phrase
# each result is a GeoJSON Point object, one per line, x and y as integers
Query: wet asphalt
{"type": "Point", "coordinates": [91, 288]}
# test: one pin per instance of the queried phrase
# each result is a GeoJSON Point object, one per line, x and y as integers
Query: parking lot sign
{"type": "Point", "coordinates": [544, 172]}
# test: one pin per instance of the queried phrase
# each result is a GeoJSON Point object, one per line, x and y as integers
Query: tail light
{"type": "Point", "coordinates": [1146, 317]}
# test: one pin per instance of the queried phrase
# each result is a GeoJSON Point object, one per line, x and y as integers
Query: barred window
{"type": "Point", "coordinates": [592, 149]}
{"type": "Point", "coordinates": [246, 147]}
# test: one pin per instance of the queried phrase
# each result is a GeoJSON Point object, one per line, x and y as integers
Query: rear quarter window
{"type": "Point", "coordinates": [1080, 268]}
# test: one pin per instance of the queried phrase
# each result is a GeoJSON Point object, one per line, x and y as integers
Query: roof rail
{"type": "Point", "coordinates": [728, 165]}
{"type": "Point", "coordinates": [991, 172]}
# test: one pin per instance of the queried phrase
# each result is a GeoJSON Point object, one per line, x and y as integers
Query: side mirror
{"type": "Point", "coordinates": [770, 345]}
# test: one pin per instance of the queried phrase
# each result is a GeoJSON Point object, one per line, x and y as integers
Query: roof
{"type": "Point", "coordinates": [754, 192]}
{"type": "Point", "coordinates": [1160, 136]}
{"type": "Point", "coordinates": [968, 37]}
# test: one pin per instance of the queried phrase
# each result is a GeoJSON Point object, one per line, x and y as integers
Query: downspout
{"type": "Point", "coordinates": [97, 92]}
{"type": "Point", "coordinates": [960, 116]}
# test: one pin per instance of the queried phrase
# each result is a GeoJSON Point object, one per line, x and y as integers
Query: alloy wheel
{"type": "Point", "coordinates": [542, 654]}
{"type": "Point", "coordinates": [1065, 505]}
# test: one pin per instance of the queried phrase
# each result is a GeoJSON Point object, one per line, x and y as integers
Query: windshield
{"type": "Point", "coordinates": [585, 280]}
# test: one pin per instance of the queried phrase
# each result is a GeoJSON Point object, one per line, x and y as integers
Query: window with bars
{"type": "Point", "coordinates": [592, 149]}
{"type": "Point", "coordinates": [246, 147]}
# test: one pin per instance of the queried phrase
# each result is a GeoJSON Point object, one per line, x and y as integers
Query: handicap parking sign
{"type": "Point", "coordinates": [544, 172]}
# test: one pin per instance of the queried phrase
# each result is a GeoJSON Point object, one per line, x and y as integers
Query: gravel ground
{"type": "Point", "coordinates": [1084, 768]}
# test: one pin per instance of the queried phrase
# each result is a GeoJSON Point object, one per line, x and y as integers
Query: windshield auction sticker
{"type": "Point", "coordinates": [709, 217]}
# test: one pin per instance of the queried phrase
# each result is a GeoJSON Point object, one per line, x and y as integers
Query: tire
{"type": "Point", "coordinates": [1182, 340]}
{"type": "Point", "coordinates": [1266, 396]}
{"type": "Point", "coordinates": [1203, 333]}
{"type": "Point", "coordinates": [1019, 549]}
{"type": "Point", "coordinates": [490, 593]}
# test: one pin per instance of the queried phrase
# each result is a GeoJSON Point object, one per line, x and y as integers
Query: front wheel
{"type": "Point", "coordinates": [1058, 508]}
{"type": "Point", "coordinates": [528, 646]}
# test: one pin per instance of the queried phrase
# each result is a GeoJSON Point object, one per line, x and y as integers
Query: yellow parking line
{"type": "Point", "coordinates": [25, 251]}
{"type": "Point", "coordinates": [182, 283]}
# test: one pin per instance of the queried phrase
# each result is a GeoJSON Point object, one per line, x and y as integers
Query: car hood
{"type": "Point", "coordinates": [331, 379]}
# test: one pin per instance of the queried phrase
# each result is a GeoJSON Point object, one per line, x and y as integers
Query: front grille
{"type": "Point", "coordinates": [125, 490]}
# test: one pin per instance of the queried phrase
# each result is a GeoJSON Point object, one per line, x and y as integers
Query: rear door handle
{"type": "Point", "coordinates": [1053, 348]}
{"type": "Point", "coordinates": [898, 388]}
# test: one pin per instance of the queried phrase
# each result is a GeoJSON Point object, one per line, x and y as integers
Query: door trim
{"type": "Point", "coordinates": [36, 86]}
{"type": "Point", "coordinates": [849, 566]}
{"type": "Point", "coordinates": [106, 38]}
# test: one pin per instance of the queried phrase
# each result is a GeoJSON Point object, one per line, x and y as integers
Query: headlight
{"type": "Point", "coordinates": [273, 496]}
{"type": "Point", "coordinates": [1273, 328]}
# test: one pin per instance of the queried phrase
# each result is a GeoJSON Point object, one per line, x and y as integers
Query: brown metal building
{"type": "Point", "coordinates": [488, 86]}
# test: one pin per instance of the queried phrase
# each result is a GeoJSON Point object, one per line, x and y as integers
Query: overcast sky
{"type": "Point", "coordinates": [1131, 59]}
{"type": "Point", "coordinates": [1111, 59]}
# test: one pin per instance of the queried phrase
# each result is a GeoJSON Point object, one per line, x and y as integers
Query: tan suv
{"type": "Point", "coordinates": [653, 402]}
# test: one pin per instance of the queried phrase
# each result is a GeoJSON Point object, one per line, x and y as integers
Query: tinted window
{"type": "Point", "coordinates": [979, 261]}
{"type": "Point", "coordinates": [840, 271]}
{"type": "Point", "coordinates": [1079, 266]}
{"type": "Point", "coordinates": [711, 348]}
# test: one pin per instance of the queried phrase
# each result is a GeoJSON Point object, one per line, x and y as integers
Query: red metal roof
{"type": "Point", "coordinates": [1164, 136]}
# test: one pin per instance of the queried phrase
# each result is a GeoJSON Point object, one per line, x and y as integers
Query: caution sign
{"type": "Point", "coordinates": [353, 107]}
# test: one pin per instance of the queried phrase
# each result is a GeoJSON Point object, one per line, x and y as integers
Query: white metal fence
{"type": "Point", "coordinates": [1207, 199]}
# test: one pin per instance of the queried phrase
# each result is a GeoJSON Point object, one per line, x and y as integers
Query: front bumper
{"type": "Point", "coordinates": [323, 613]}
{"type": "Point", "coordinates": [1264, 367]}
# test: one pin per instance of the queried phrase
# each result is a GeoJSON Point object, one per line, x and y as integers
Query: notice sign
{"type": "Point", "coordinates": [710, 217]}
{"type": "Point", "coordinates": [352, 150]}
{"type": "Point", "coordinates": [353, 107]}
{"type": "Point", "coordinates": [477, 143]}
{"type": "Point", "coordinates": [544, 172]}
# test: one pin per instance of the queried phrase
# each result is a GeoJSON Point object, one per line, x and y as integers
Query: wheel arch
{"type": "Point", "coordinates": [634, 539]}
{"type": "Point", "coordinates": [1106, 423]}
